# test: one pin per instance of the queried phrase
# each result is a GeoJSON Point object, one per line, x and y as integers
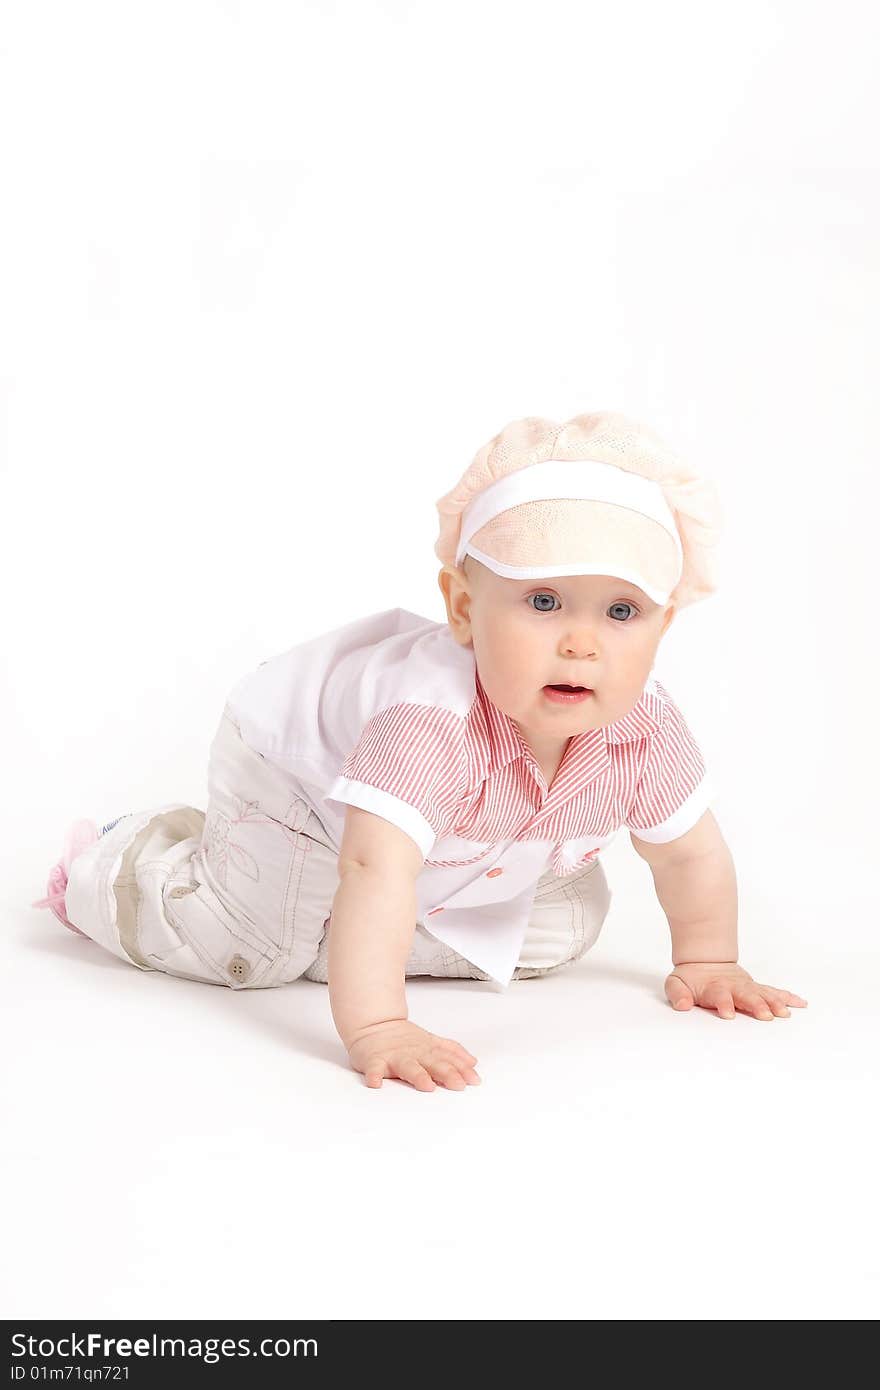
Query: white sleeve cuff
{"type": "Point", "coordinates": [682, 820]}
{"type": "Point", "coordinates": [389, 807]}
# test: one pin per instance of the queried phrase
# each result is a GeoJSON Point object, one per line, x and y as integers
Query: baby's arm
{"type": "Point", "coordinates": [695, 881]}
{"type": "Point", "coordinates": [371, 930]}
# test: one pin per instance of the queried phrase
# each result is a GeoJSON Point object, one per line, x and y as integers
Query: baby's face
{"type": "Point", "coordinates": [586, 629]}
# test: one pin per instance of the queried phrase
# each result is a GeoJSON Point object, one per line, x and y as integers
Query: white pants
{"type": "Point", "coordinates": [242, 896]}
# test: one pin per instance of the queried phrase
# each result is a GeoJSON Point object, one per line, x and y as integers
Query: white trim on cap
{"type": "Point", "coordinates": [588, 480]}
{"type": "Point", "coordinates": [581, 567]}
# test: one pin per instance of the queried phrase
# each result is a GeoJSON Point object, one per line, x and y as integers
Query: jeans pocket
{"type": "Point", "coordinates": [204, 941]}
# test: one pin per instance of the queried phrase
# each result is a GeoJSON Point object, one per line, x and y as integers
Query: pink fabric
{"type": "Point", "coordinates": [80, 836]}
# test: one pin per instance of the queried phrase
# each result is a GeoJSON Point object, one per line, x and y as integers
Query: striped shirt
{"type": "Point", "coordinates": [389, 713]}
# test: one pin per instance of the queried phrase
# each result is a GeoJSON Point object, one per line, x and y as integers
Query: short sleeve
{"type": "Point", "coordinates": [409, 767]}
{"type": "Point", "coordinates": [674, 788]}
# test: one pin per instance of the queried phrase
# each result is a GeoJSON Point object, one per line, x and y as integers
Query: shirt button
{"type": "Point", "coordinates": [493, 873]}
{"type": "Point", "coordinates": [239, 968]}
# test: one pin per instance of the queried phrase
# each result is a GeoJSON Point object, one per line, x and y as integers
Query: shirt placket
{"type": "Point", "coordinates": [585, 758]}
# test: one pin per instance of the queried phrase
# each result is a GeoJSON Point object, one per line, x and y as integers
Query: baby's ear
{"type": "Point", "coordinates": [445, 579]}
{"type": "Point", "coordinates": [451, 575]}
{"type": "Point", "coordinates": [453, 586]}
{"type": "Point", "coordinates": [667, 618]}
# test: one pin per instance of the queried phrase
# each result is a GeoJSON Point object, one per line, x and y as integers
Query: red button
{"type": "Point", "coordinates": [493, 873]}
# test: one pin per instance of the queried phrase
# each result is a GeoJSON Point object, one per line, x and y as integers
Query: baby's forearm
{"type": "Point", "coordinates": [699, 898]}
{"type": "Point", "coordinates": [371, 930]}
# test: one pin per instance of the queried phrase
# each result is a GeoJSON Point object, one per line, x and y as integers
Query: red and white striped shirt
{"type": "Point", "coordinates": [388, 713]}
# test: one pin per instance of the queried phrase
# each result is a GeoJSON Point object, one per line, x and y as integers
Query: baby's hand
{"type": "Point", "coordinates": [726, 987]}
{"type": "Point", "coordinates": [402, 1049]}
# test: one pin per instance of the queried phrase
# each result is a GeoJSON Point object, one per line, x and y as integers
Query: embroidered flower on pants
{"type": "Point", "coordinates": [221, 850]}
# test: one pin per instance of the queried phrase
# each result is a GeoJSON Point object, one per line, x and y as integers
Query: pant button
{"type": "Point", "coordinates": [184, 890]}
{"type": "Point", "coordinates": [239, 968]}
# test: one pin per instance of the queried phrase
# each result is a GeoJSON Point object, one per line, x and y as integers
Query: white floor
{"type": "Point", "coordinates": [179, 1150]}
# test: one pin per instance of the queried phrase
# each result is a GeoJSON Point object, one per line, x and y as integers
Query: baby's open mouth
{"type": "Point", "coordinates": [567, 687]}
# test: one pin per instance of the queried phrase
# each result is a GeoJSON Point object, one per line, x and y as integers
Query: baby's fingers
{"type": "Point", "coordinates": [469, 1075]}
{"type": "Point", "coordinates": [406, 1069]}
{"type": "Point", "coordinates": [375, 1072]}
{"type": "Point", "coordinates": [749, 1001]}
{"type": "Point", "coordinates": [461, 1053]}
{"type": "Point", "coordinates": [780, 1009]}
{"type": "Point", "coordinates": [447, 1074]}
{"type": "Point", "coordinates": [782, 996]}
{"type": "Point", "coordinates": [412, 1071]}
{"type": "Point", "coordinates": [678, 994]}
{"type": "Point", "coordinates": [719, 997]}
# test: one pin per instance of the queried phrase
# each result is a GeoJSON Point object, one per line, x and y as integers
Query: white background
{"type": "Point", "coordinates": [271, 274]}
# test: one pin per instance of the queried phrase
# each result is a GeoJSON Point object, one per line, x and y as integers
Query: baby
{"type": "Point", "coordinates": [403, 797]}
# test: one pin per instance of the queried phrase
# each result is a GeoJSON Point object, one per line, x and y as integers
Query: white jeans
{"type": "Point", "coordinates": [242, 896]}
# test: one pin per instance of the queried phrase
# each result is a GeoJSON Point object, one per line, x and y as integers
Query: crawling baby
{"type": "Point", "coordinates": [404, 797]}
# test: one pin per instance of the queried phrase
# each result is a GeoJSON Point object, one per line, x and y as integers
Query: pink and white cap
{"type": "Point", "coordinates": [600, 494]}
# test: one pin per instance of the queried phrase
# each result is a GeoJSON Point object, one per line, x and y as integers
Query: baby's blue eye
{"type": "Point", "coordinates": [543, 610]}
{"type": "Point", "coordinates": [616, 615]}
